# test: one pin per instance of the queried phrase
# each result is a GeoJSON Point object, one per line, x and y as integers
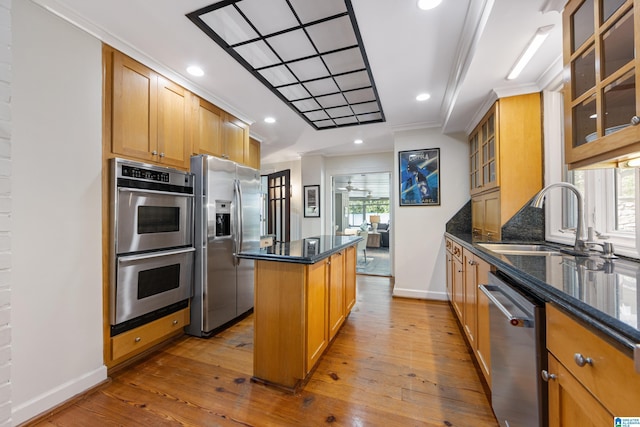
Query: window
{"type": "Point", "coordinates": [360, 210]}
{"type": "Point", "coordinates": [610, 197]}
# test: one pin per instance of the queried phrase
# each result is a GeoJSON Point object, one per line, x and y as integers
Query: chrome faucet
{"type": "Point", "coordinates": [581, 247]}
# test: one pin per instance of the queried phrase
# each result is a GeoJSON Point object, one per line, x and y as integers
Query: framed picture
{"type": "Point", "coordinates": [312, 201]}
{"type": "Point", "coordinates": [419, 177]}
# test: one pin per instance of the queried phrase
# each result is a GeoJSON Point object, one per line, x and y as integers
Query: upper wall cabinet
{"type": "Point", "coordinates": [505, 154]}
{"type": "Point", "coordinates": [150, 118]}
{"type": "Point", "coordinates": [601, 94]}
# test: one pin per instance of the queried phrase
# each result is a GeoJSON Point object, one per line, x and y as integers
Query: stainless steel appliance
{"type": "Point", "coordinates": [152, 243]}
{"type": "Point", "coordinates": [227, 220]}
{"type": "Point", "coordinates": [518, 354]}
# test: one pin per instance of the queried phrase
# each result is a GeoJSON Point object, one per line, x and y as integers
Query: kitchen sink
{"type": "Point", "coordinates": [520, 249]}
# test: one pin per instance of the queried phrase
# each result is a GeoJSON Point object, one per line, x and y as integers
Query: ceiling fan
{"type": "Point", "coordinates": [349, 188]}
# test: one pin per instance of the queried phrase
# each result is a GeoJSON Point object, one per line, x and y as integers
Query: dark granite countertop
{"type": "Point", "coordinates": [602, 293]}
{"type": "Point", "coordinates": [305, 251]}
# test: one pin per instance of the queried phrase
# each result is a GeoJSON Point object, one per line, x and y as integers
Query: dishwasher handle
{"type": "Point", "coordinates": [492, 293]}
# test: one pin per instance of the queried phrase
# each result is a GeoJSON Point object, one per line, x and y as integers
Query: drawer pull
{"type": "Point", "coordinates": [546, 376]}
{"type": "Point", "coordinates": [175, 322]}
{"type": "Point", "coordinates": [581, 360]}
{"type": "Point", "coordinates": [138, 339]}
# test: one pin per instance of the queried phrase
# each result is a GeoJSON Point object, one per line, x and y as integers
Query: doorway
{"type": "Point", "coordinates": [277, 205]}
{"type": "Point", "coordinates": [362, 205]}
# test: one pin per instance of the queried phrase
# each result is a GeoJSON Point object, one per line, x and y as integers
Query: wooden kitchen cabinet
{"type": "Point", "coordinates": [151, 116]}
{"type": "Point", "coordinates": [485, 215]}
{"type": "Point", "coordinates": [457, 285]}
{"type": "Point", "coordinates": [592, 392]}
{"type": "Point", "coordinates": [207, 132]}
{"type": "Point", "coordinates": [336, 293]}
{"type": "Point", "coordinates": [220, 134]}
{"type": "Point", "coordinates": [570, 404]}
{"type": "Point", "coordinates": [505, 154]}
{"type": "Point", "coordinates": [483, 336]}
{"type": "Point", "coordinates": [252, 157]}
{"type": "Point", "coordinates": [316, 313]}
{"type": "Point", "coordinates": [470, 272]}
{"type": "Point", "coordinates": [349, 279]}
{"type": "Point", "coordinates": [601, 93]}
{"type": "Point", "coordinates": [133, 342]}
{"type": "Point", "coordinates": [465, 272]}
{"type": "Point", "coordinates": [235, 135]}
{"type": "Point", "coordinates": [299, 310]}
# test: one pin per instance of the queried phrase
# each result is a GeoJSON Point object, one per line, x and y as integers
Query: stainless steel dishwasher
{"type": "Point", "coordinates": [518, 354]}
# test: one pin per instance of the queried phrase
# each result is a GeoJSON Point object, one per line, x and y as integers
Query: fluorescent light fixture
{"type": "Point", "coordinates": [428, 4]}
{"type": "Point", "coordinates": [358, 141]}
{"type": "Point", "coordinates": [423, 97]}
{"type": "Point", "coordinates": [194, 70]}
{"type": "Point", "coordinates": [532, 48]}
{"type": "Point", "coordinates": [269, 120]}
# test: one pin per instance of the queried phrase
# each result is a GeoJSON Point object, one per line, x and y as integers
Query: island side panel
{"type": "Point", "coordinates": [278, 356]}
{"type": "Point", "coordinates": [317, 323]}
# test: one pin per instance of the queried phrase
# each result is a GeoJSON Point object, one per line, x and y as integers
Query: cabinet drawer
{"type": "Point", "coordinates": [448, 244]}
{"type": "Point", "coordinates": [610, 376]}
{"type": "Point", "coordinates": [456, 251]}
{"type": "Point", "coordinates": [139, 339]}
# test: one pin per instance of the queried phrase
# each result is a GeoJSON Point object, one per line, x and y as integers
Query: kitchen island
{"type": "Point", "coordinates": [304, 290]}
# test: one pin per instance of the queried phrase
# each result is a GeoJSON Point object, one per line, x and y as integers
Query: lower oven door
{"type": "Point", "coordinates": [151, 281]}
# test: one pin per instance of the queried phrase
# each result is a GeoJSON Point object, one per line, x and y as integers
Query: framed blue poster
{"type": "Point", "coordinates": [419, 177]}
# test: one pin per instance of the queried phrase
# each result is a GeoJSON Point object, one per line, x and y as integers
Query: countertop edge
{"type": "Point", "coordinates": [619, 333]}
{"type": "Point", "coordinates": [298, 260]}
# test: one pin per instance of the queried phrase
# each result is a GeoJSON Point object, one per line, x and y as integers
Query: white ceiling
{"type": "Point", "coordinates": [459, 52]}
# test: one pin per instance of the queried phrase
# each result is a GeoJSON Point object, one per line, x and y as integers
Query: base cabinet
{"type": "Point", "coordinates": [589, 380]}
{"type": "Point", "coordinates": [299, 308]}
{"type": "Point", "coordinates": [465, 272]}
{"type": "Point", "coordinates": [135, 341]}
{"type": "Point", "coordinates": [570, 404]}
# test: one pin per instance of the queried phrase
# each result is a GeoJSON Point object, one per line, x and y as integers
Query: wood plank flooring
{"type": "Point", "coordinates": [395, 362]}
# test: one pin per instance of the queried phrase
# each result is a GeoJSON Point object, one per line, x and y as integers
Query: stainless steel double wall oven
{"type": "Point", "coordinates": [152, 243]}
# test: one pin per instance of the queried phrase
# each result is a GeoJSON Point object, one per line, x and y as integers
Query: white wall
{"type": "Point", "coordinates": [5, 214]}
{"type": "Point", "coordinates": [418, 231]}
{"type": "Point", "coordinates": [57, 270]}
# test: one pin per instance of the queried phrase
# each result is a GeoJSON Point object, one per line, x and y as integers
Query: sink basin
{"type": "Point", "coordinates": [520, 249]}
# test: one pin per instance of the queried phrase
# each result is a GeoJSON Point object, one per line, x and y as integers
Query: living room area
{"type": "Point", "coordinates": [361, 206]}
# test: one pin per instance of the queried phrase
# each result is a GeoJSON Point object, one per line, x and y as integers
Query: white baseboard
{"type": "Point", "coordinates": [413, 293]}
{"type": "Point", "coordinates": [56, 396]}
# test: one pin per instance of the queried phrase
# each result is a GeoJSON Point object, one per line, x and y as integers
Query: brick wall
{"type": "Point", "coordinates": [5, 212]}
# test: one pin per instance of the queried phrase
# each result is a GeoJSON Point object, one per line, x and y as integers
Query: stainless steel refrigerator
{"type": "Point", "coordinates": [227, 220]}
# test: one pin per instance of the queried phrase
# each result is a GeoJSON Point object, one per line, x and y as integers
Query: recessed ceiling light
{"type": "Point", "coordinates": [195, 71]}
{"type": "Point", "coordinates": [358, 141]}
{"type": "Point", "coordinates": [423, 97]}
{"type": "Point", "coordinates": [428, 4]}
{"type": "Point", "coordinates": [269, 120]}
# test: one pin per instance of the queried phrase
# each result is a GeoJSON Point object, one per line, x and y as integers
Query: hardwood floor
{"type": "Point", "coordinates": [395, 362]}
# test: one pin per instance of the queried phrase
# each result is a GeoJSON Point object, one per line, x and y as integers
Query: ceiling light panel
{"type": "Point", "coordinates": [306, 52]}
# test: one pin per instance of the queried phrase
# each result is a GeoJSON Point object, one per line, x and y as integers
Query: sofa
{"type": "Point", "coordinates": [383, 229]}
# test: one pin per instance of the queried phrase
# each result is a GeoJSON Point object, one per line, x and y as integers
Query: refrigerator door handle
{"type": "Point", "coordinates": [240, 219]}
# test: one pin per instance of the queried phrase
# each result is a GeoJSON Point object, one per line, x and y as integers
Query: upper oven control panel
{"type": "Point", "coordinates": [149, 175]}
{"type": "Point", "coordinates": [128, 173]}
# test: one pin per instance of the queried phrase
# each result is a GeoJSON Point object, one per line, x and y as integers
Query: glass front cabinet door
{"type": "Point", "coordinates": [601, 93]}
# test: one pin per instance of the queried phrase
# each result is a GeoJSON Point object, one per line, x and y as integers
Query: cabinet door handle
{"type": "Point", "coordinates": [472, 262]}
{"type": "Point", "coordinates": [154, 153]}
{"type": "Point", "coordinates": [138, 339]}
{"type": "Point", "coordinates": [175, 322]}
{"type": "Point", "coordinates": [546, 376]}
{"type": "Point", "coordinates": [161, 154]}
{"type": "Point", "coordinates": [635, 121]}
{"type": "Point", "coordinates": [581, 360]}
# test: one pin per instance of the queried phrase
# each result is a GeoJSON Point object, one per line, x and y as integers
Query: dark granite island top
{"type": "Point", "coordinates": [306, 251]}
{"type": "Point", "coordinates": [603, 293]}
